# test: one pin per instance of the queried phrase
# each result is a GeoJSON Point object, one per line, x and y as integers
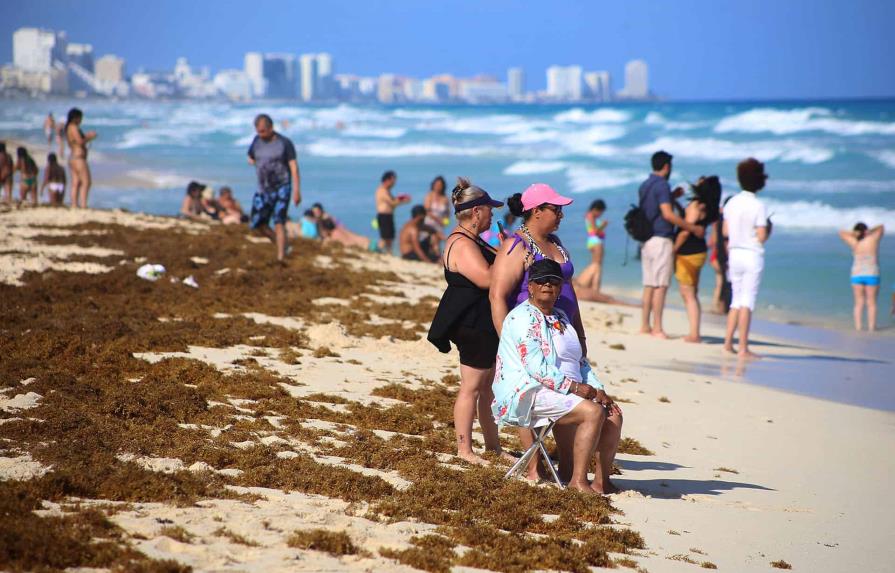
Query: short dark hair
{"type": "Point", "coordinates": [263, 117]}
{"type": "Point", "coordinates": [751, 175]}
{"type": "Point", "coordinates": [194, 186]}
{"type": "Point", "coordinates": [388, 175]}
{"type": "Point", "coordinates": [598, 205]}
{"type": "Point", "coordinates": [660, 159]}
{"type": "Point", "coordinates": [317, 206]}
{"type": "Point", "coordinates": [861, 230]}
{"type": "Point", "coordinates": [418, 210]}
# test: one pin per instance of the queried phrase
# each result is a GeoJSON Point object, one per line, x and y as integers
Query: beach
{"type": "Point", "coordinates": [295, 418]}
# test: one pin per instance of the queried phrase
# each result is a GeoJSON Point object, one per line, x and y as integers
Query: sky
{"type": "Point", "coordinates": [696, 49]}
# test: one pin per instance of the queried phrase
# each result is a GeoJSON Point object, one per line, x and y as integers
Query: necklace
{"type": "Point", "coordinates": [537, 249]}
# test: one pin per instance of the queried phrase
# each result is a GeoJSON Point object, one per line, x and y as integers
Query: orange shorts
{"type": "Point", "coordinates": [687, 267]}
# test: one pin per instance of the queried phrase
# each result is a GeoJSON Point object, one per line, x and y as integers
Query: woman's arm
{"type": "Point", "coordinates": [505, 276]}
{"type": "Point", "coordinates": [470, 263]}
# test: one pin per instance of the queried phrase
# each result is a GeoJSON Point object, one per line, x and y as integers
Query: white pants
{"type": "Point", "coordinates": [744, 269]}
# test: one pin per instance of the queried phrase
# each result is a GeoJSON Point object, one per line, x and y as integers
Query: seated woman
{"type": "Point", "coordinates": [331, 229]}
{"type": "Point", "coordinates": [191, 207]}
{"type": "Point", "coordinates": [541, 375]}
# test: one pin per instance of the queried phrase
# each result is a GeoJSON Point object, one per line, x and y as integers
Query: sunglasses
{"type": "Point", "coordinates": [555, 208]}
{"type": "Point", "coordinates": [552, 281]}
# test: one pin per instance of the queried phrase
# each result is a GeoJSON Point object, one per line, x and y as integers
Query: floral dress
{"type": "Point", "coordinates": [526, 363]}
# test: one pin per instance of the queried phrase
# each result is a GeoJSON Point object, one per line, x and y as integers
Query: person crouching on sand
{"type": "Point", "coordinates": [231, 210]}
{"type": "Point", "coordinates": [411, 243]}
{"type": "Point", "coordinates": [464, 315]}
{"type": "Point", "coordinates": [54, 180]}
{"type": "Point", "coordinates": [542, 375]}
{"type": "Point", "coordinates": [747, 228]}
{"type": "Point", "coordinates": [864, 244]}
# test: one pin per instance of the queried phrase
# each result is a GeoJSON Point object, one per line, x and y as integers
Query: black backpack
{"type": "Point", "coordinates": [638, 226]}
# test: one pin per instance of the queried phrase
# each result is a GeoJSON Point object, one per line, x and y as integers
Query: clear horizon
{"type": "Point", "coordinates": [798, 51]}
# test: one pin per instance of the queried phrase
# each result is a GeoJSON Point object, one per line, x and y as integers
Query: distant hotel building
{"type": "Point", "coordinates": [109, 69]}
{"type": "Point", "coordinates": [598, 86]}
{"type": "Point", "coordinates": [564, 83]}
{"type": "Point", "coordinates": [636, 80]}
{"type": "Point", "coordinates": [516, 84]}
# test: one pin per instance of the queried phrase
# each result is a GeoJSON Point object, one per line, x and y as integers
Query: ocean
{"type": "Point", "coordinates": [831, 164]}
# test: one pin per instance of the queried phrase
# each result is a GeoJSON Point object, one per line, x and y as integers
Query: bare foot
{"type": "Point", "coordinates": [645, 330]}
{"type": "Point", "coordinates": [659, 334]}
{"type": "Point", "coordinates": [748, 354]}
{"type": "Point", "coordinates": [605, 490]}
{"type": "Point", "coordinates": [582, 486]}
{"type": "Point", "coordinates": [508, 457]}
{"type": "Point", "coordinates": [693, 339]}
{"type": "Point", "coordinates": [473, 459]}
{"type": "Point", "coordinates": [728, 349]}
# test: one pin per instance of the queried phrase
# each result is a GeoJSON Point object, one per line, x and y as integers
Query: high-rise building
{"type": "Point", "coordinates": [109, 69]}
{"type": "Point", "coordinates": [599, 87]}
{"type": "Point", "coordinates": [253, 66]}
{"type": "Point", "coordinates": [516, 83]}
{"type": "Point", "coordinates": [36, 50]}
{"type": "Point", "coordinates": [325, 82]}
{"type": "Point", "coordinates": [564, 83]}
{"type": "Point", "coordinates": [309, 73]}
{"type": "Point", "coordinates": [280, 76]}
{"type": "Point", "coordinates": [483, 89]}
{"type": "Point", "coordinates": [80, 54]}
{"type": "Point", "coordinates": [636, 80]}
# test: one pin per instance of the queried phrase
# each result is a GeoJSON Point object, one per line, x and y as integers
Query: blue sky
{"type": "Point", "coordinates": [696, 49]}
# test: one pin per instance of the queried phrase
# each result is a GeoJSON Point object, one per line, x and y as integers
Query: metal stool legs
{"type": "Point", "coordinates": [536, 447]}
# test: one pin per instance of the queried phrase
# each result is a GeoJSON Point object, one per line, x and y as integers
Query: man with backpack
{"type": "Point", "coordinates": [656, 221]}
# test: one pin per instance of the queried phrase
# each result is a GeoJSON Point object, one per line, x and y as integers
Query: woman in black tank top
{"type": "Point", "coordinates": [691, 251]}
{"type": "Point", "coordinates": [464, 316]}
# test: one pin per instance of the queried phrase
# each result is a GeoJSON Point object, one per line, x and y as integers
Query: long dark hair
{"type": "Point", "coordinates": [443, 184]}
{"type": "Point", "coordinates": [708, 192]}
{"type": "Point", "coordinates": [73, 115]}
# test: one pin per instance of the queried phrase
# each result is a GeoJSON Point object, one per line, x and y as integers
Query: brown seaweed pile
{"type": "Point", "coordinates": [75, 335]}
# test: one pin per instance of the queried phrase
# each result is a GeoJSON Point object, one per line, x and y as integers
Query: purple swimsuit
{"type": "Point", "coordinates": [567, 300]}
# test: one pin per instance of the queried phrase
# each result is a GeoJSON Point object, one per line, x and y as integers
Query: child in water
{"type": "Point", "coordinates": [54, 181]}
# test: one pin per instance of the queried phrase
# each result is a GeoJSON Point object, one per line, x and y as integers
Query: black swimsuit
{"type": "Point", "coordinates": [464, 315]}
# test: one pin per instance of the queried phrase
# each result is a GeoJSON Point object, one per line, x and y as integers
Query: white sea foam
{"type": "Point", "coordinates": [340, 148]}
{"type": "Point", "coordinates": [784, 122]}
{"type": "Point", "coordinates": [583, 179]}
{"type": "Point", "coordinates": [533, 167]}
{"type": "Point", "coordinates": [601, 115]}
{"type": "Point", "coordinates": [159, 180]}
{"type": "Point", "coordinates": [533, 136]}
{"type": "Point", "coordinates": [818, 215]}
{"type": "Point", "coordinates": [497, 124]}
{"type": "Point", "coordinates": [886, 157]}
{"type": "Point", "coordinates": [832, 186]}
{"type": "Point", "coordinates": [710, 149]}
{"type": "Point", "coordinates": [348, 114]}
{"type": "Point", "coordinates": [381, 132]}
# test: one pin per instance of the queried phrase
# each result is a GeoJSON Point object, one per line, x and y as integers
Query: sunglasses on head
{"type": "Point", "coordinates": [552, 281]}
{"type": "Point", "coordinates": [555, 208]}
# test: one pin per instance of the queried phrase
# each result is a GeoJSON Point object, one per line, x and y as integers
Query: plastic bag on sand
{"type": "Point", "coordinates": [151, 272]}
{"type": "Point", "coordinates": [191, 281]}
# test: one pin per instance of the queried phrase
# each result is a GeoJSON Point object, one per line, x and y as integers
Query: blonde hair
{"type": "Point", "coordinates": [465, 191]}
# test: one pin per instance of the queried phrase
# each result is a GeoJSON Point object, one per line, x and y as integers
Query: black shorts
{"type": "Point", "coordinates": [477, 348]}
{"type": "Point", "coordinates": [386, 223]}
{"type": "Point", "coordinates": [411, 256]}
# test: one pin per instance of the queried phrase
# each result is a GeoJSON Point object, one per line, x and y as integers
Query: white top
{"type": "Point", "coordinates": [568, 350]}
{"type": "Point", "coordinates": [743, 213]}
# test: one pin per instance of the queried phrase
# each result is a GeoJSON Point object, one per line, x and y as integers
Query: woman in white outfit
{"type": "Point", "coordinates": [746, 228]}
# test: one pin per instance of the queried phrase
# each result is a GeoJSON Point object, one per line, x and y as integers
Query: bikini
{"type": "Point", "coordinates": [865, 270]}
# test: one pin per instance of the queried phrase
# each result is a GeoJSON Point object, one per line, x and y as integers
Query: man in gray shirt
{"type": "Point", "coordinates": [276, 165]}
{"type": "Point", "coordinates": [656, 255]}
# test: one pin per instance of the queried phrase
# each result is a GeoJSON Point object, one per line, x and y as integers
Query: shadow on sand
{"type": "Point", "coordinates": [677, 488]}
{"type": "Point", "coordinates": [638, 465]}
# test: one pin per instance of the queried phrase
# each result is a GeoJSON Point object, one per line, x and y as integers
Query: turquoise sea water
{"type": "Point", "coordinates": [831, 164]}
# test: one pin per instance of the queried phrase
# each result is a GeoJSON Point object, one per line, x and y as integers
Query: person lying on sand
{"type": "Point", "coordinates": [331, 229]}
{"type": "Point", "coordinates": [543, 375]}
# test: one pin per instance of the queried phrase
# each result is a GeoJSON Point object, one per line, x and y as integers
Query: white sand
{"type": "Point", "coordinates": [811, 488]}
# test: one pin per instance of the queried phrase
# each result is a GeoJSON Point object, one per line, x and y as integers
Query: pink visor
{"type": "Point", "coordinates": [540, 193]}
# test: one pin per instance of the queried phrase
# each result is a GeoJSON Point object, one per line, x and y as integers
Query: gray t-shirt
{"type": "Point", "coordinates": [654, 192]}
{"type": "Point", "coordinates": [272, 161]}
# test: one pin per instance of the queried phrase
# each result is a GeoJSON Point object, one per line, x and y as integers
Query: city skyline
{"type": "Point", "coordinates": [45, 61]}
{"type": "Point", "coordinates": [697, 50]}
